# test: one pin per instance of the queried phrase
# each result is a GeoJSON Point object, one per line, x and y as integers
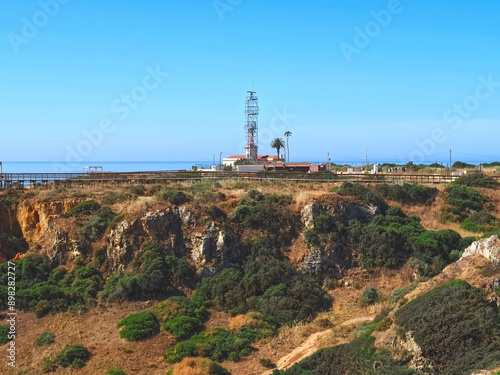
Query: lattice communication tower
{"type": "Point", "coordinates": [251, 126]}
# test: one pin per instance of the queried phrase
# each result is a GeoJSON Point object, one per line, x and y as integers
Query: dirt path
{"type": "Point", "coordinates": [312, 345]}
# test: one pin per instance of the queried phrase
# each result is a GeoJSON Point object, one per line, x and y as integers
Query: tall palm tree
{"type": "Point", "coordinates": [288, 134]}
{"type": "Point", "coordinates": [278, 144]}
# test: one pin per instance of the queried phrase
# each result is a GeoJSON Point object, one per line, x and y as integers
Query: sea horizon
{"type": "Point", "coordinates": [153, 166]}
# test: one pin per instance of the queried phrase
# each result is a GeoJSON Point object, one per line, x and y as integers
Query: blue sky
{"type": "Point", "coordinates": [406, 79]}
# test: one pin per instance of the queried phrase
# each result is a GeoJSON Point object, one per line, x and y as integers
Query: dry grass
{"type": "Point", "coordinates": [430, 216]}
{"type": "Point", "coordinates": [193, 366]}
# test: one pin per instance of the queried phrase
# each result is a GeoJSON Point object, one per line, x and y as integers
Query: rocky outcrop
{"type": "Point", "coordinates": [418, 362]}
{"type": "Point", "coordinates": [160, 224]}
{"type": "Point", "coordinates": [122, 245]}
{"type": "Point", "coordinates": [329, 260]}
{"type": "Point", "coordinates": [488, 247]}
{"type": "Point", "coordinates": [64, 249]}
{"type": "Point", "coordinates": [344, 211]}
{"type": "Point", "coordinates": [212, 250]}
{"type": "Point", "coordinates": [34, 216]}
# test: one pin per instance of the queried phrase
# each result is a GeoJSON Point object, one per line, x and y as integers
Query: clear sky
{"type": "Point", "coordinates": [166, 80]}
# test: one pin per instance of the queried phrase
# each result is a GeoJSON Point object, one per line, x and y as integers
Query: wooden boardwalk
{"type": "Point", "coordinates": [22, 180]}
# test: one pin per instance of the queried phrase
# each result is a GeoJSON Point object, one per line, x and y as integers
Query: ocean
{"type": "Point", "coordinates": [137, 166]}
{"type": "Point", "coordinates": [107, 166]}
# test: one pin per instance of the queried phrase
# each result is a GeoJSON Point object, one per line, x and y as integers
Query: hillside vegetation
{"type": "Point", "coordinates": [187, 261]}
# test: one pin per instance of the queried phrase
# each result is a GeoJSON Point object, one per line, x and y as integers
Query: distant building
{"type": "Point", "coordinates": [261, 159]}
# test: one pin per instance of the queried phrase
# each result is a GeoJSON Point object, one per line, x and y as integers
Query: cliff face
{"type": "Point", "coordinates": [34, 216]}
{"type": "Point", "coordinates": [184, 231]}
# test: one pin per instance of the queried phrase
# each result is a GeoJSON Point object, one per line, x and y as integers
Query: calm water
{"type": "Point", "coordinates": [129, 166]}
{"type": "Point", "coordinates": [133, 166]}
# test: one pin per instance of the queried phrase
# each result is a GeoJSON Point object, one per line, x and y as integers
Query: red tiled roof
{"type": "Point", "coordinates": [260, 157]}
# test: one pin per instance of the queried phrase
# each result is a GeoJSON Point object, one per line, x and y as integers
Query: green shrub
{"type": "Point", "coordinates": [367, 195]}
{"type": "Point", "coordinates": [477, 180]}
{"type": "Point", "coordinates": [370, 295]}
{"type": "Point", "coordinates": [182, 327]}
{"type": "Point", "coordinates": [270, 213]}
{"type": "Point", "coordinates": [172, 196]}
{"type": "Point", "coordinates": [100, 256]}
{"type": "Point", "coordinates": [408, 193]}
{"type": "Point", "coordinates": [454, 315]}
{"type": "Point", "coordinates": [462, 201]}
{"type": "Point", "coordinates": [48, 365]}
{"type": "Point", "coordinates": [216, 344]}
{"type": "Point", "coordinates": [43, 290]}
{"type": "Point", "coordinates": [179, 306]}
{"type": "Point", "coordinates": [94, 228]}
{"type": "Point", "coordinates": [4, 334]}
{"type": "Point", "coordinates": [354, 358]}
{"type": "Point", "coordinates": [46, 337]}
{"type": "Point", "coordinates": [139, 326]}
{"type": "Point", "coordinates": [216, 213]}
{"type": "Point", "coordinates": [84, 208]}
{"type": "Point", "coordinates": [112, 198]}
{"type": "Point", "coordinates": [264, 284]}
{"type": "Point", "coordinates": [480, 222]}
{"type": "Point", "coordinates": [116, 371]}
{"type": "Point", "coordinates": [138, 189]}
{"type": "Point", "coordinates": [75, 356]}
{"type": "Point", "coordinates": [155, 273]}
{"type": "Point", "coordinates": [401, 292]}
{"type": "Point", "coordinates": [266, 362]}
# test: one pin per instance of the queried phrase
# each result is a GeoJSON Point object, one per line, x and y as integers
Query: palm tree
{"type": "Point", "coordinates": [288, 134]}
{"type": "Point", "coordinates": [278, 144]}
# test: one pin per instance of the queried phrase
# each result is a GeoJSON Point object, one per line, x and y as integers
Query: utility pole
{"type": "Point", "coordinates": [329, 164]}
{"type": "Point", "coordinates": [450, 161]}
{"type": "Point", "coordinates": [220, 161]}
{"type": "Point", "coordinates": [366, 171]}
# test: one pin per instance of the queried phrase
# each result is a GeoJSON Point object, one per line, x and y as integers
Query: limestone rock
{"type": "Point", "coordinates": [488, 247]}
{"type": "Point", "coordinates": [159, 224]}
{"type": "Point", "coordinates": [121, 249]}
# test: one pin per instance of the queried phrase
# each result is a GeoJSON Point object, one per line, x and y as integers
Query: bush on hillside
{"type": "Point", "coordinates": [462, 202]}
{"type": "Point", "coordinates": [355, 358]}
{"type": "Point", "coordinates": [179, 306]}
{"type": "Point", "coordinates": [140, 326]}
{"type": "Point", "coordinates": [84, 208]}
{"type": "Point", "coordinates": [410, 194]}
{"type": "Point", "coordinates": [480, 222]}
{"type": "Point", "coordinates": [182, 327]}
{"type": "Point", "coordinates": [154, 275]}
{"type": "Point", "coordinates": [116, 371]}
{"type": "Point", "coordinates": [264, 284]}
{"type": "Point", "coordinates": [75, 356]}
{"type": "Point", "coordinates": [94, 228]}
{"type": "Point", "coordinates": [46, 337]}
{"type": "Point", "coordinates": [44, 290]}
{"type": "Point", "coordinates": [477, 179]}
{"type": "Point", "coordinates": [217, 344]}
{"type": "Point", "coordinates": [370, 295]}
{"type": "Point", "coordinates": [365, 194]}
{"type": "Point", "coordinates": [266, 212]}
{"type": "Point", "coordinates": [4, 334]}
{"type": "Point", "coordinates": [455, 315]}
{"type": "Point", "coordinates": [173, 196]}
